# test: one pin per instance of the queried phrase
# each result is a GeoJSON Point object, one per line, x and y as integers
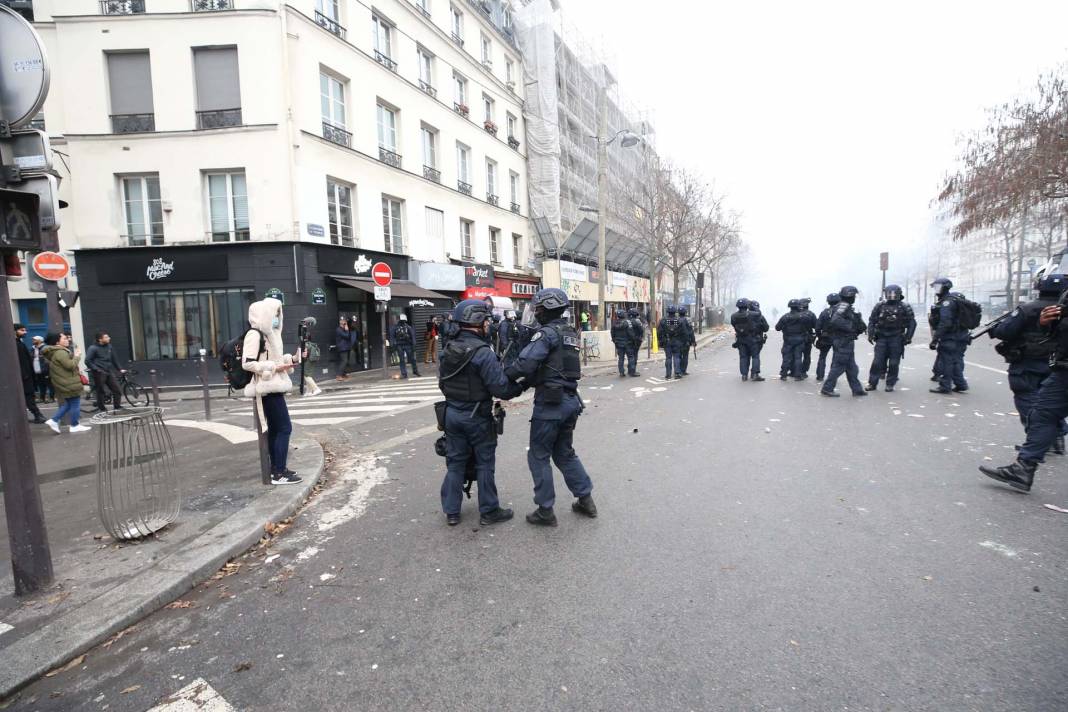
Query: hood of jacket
{"type": "Point", "coordinates": [261, 316]}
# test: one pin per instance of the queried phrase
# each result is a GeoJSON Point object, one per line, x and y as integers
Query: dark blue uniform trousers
{"type": "Point", "coordinates": [1046, 417]}
{"type": "Point", "coordinates": [552, 432]}
{"type": "Point", "coordinates": [632, 360]}
{"type": "Point", "coordinates": [749, 356]}
{"type": "Point", "coordinates": [887, 360]}
{"type": "Point", "coordinates": [949, 364]}
{"type": "Point", "coordinates": [1025, 381]}
{"type": "Point", "coordinates": [467, 436]}
{"type": "Point", "coordinates": [672, 360]}
{"type": "Point", "coordinates": [843, 361]}
{"type": "Point", "coordinates": [792, 355]}
{"type": "Point", "coordinates": [821, 363]}
{"type": "Point", "coordinates": [621, 354]}
{"type": "Point", "coordinates": [684, 358]}
{"type": "Point", "coordinates": [806, 357]}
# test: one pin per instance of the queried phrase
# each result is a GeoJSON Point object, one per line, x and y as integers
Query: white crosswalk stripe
{"type": "Point", "coordinates": [197, 696]}
{"type": "Point", "coordinates": [338, 407]}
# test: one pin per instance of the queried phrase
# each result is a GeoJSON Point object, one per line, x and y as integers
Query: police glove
{"type": "Point", "coordinates": [934, 346]}
{"type": "Point", "coordinates": [871, 339]}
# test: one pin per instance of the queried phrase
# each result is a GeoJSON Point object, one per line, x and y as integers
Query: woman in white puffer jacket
{"type": "Point", "coordinates": [270, 367]}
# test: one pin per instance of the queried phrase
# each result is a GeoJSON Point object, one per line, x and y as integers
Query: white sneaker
{"type": "Point", "coordinates": [54, 425]}
{"type": "Point", "coordinates": [79, 429]}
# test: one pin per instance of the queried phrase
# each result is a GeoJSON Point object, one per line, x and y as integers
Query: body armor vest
{"type": "Point", "coordinates": [563, 367]}
{"type": "Point", "coordinates": [892, 319]}
{"type": "Point", "coordinates": [1033, 343]}
{"type": "Point", "coordinates": [743, 324]}
{"type": "Point", "coordinates": [794, 324]}
{"type": "Point", "coordinates": [403, 335]}
{"type": "Point", "coordinates": [459, 381]}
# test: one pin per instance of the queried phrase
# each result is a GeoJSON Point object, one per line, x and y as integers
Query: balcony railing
{"type": "Point", "coordinates": [218, 118]}
{"type": "Point", "coordinates": [122, 7]}
{"type": "Point", "coordinates": [425, 86]}
{"type": "Point", "coordinates": [337, 135]}
{"type": "Point", "coordinates": [461, 109]}
{"type": "Point", "coordinates": [431, 173]}
{"type": "Point", "coordinates": [515, 208]}
{"type": "Point", "coordinates": [211, 5]}
{"type": "Point", "coordinates": [389, 157]}
{"type": "Point", "coordinates": [420, 8]}
{"type": "Point", "coordinates": [331, 25]}
{"type": "Point", "coordinates": [464, 188]}
{"type": "Point", "coordinates": [513, 142]}
{"type": "Point", "coordinates": [457, 39]}
{"type": "Point", "coordinates": [133, 123]}
{"type": "Point", "coordinates": [385, 61]}
{"type": "Point", "coordinates": [143, 240]}
{"type": "Point", "coordinates": [492, 199]}
{"type": "Point", "coordinates": [241, 234]}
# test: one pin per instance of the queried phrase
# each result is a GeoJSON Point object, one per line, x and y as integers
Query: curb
{"type": "Point", "coordinates": [96, 620]}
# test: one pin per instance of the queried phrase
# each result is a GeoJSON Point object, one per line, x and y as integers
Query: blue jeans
{"type": "Point", "coordinates": [887, 359]}
{"type": "Point", "coordinates": [468, 436]}
{"type": "Point", "coordinates": [279, 428]}
{"type": "Point", "coordinates": [72, 406]}
{"type": "Point", "coordinates": [407, 353]}
{"type": "Point", "coordinates": [749, 357]}
{"type": "Point", "coordinates": [553, 438]}
{"type": "Point", "coordinates": [1044, 421]}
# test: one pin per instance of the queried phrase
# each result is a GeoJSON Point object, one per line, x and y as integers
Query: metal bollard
{"type": "Point", "coordinates": [204, 381]}
{"type": "Point", "coordinates": [152, 375]}
{"type": "Point", "coordinates": [261, 437]}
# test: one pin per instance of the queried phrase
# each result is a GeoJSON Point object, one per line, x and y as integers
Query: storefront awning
{"type": "Point", "coordinates": [404, 290]}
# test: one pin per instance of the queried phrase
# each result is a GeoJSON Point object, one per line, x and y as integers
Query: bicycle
{"type": "Point", "coordinates": [134, 393]}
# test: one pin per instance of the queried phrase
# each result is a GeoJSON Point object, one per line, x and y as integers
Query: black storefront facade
{"type": "Point", "coordinates": [162, 305]}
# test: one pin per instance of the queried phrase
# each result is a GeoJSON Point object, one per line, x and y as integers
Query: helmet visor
{"type": "Point", "coordinates": [528, 319]}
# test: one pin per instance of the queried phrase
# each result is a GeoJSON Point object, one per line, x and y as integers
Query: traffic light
{"type": "Point", "coordinates": [20, 222]}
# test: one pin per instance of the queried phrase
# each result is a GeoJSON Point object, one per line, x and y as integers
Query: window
{"type": "Point", "coordinates": [177, 324]}
{"type": "Point", "coordinates": [517, 251]}
{"type": "Point", "coordinates": [391, 225]}
{"type": "Point", "coordinates": [383, 42]}
{"type": "Point", "coordinates": [426, 70]}
{"type": "Point", "coordinates": [466, 228]}
{"type": "Point", "coordinates": [510, 124]}
{"type": "Point", "coordinates": [457, 25]}
{"type": "Point", "coordinates": [228, 205]}
{"type": "Point", "coordinates": [491, 177]}
{"type": "Point", "coordinates": [509, 70]}
{"type": "Point", "coordinates": [387, 128]}
{"type": "Point", "coordinates": [423, 5]}
{"type": "Point", "coordinates": [130, 82]}
{"type": "Point", "coordinates": [329, 9]}
{"type": "Point", "coordinates": [430, 147]}
{"type": "Point", "coordinates": [339, 206]}
{"type": "Point", "coordinates": [332, 99]}
{"type": "Point", "coordinates": [495, 248]}
{"type": "Point", "coordinates": [143, 209]}
{"type": "Point", "coordinates": [487, 108]}
{"type": "Point", "coordinates": [218, 88]}
{"type": "Point", "coordinates": [463, 163]}
{"type": "Point", "coordinates": [487, 51]}
{"type": "Point", "coordinates": [460, 84]}
{"type": "Point", "coordinates": [513, 185]}
{"type": "Point", "coordinates": [435, 228]}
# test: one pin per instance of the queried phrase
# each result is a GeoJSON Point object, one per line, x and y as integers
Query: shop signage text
{"type": "Point", "coordinates": [318, 296]}
{"type": "Point", "coordinates": [524, 289]}
{"type": "Point", "coordinates": [159, 269]}
{"type": "Point", "coordinates": [362, 264]}
{"type": "Point", "coordinates": [478, 275]}
{"type": "Point", "coordinates": [420, 303]}
{"type": "Point", "coordinates": [316, 230]}
{"type": "Point", "coordinates": [574, 272]}
{"type": "Point", "coordinates": [135, 267]}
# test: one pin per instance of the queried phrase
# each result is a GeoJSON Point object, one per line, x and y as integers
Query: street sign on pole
{"type": "Point", "coordinates": [884, 264]}
{"type": "Point", "coordinates": [383, 294]}
{"type": "Point", "coordinates": [382, 274]}
{"type": "Point", "coordinates": [23, 70]}
{"type": "Point", "coordinates": [51, 265]}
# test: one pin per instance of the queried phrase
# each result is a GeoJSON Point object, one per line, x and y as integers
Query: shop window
{"type": "Point", "coordinates": [176, 324]}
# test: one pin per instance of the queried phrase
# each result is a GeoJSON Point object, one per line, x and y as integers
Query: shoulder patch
{"type": "Point", "coordinates": [1016, 311]}
{"type": "Point", "coordinates": [537, 335]}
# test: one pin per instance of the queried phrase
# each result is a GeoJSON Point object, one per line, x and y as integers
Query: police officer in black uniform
{"type": "Point", "coordinates": [844, 327]}
{"type": "Point", "coordinates": [1027, 347]}
{"type": "Point", "coordinates": [637, 336]}
{"type": "Point", "coordinates": [551, 363]}
{"type": "Point", "coordinates": [810, 337]}
{"type": "Point", "coordinates": [948, 338]}
{"type": "Point", "coordinates": [470, 376]}
{"type": "Point", "coordinates": [689, 340]}
{"type": "Point", "coordinates": [749, 327]}
{"type": "Point", "coordinates": [1048, 412]}
{"type": "Point", "coordinates": [823, 337]}
{"type": "Point", "coordinates": [890, 327]}
{"type": "Point", "coordinates": [621, 338]}
{"type": "Point", "coordinates": [795, 325]}
{"type": "Point", "coordinates": [669, 334]}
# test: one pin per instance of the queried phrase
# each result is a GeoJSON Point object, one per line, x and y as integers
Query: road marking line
{"type": "Point", "coordinates": [4, 627]}
{"type": "Point", "coordinates": [971, 363]}
{"type": "Point", "coordinates": [197, 696]}
{"type": "Point", "coordinates": [234, 433]}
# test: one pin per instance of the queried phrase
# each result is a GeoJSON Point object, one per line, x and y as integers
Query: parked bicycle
{"type": "Point", "coordinates": [133, 392]}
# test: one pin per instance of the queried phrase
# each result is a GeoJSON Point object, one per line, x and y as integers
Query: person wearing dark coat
{"type": "Point", "coordinates": [26, 372]}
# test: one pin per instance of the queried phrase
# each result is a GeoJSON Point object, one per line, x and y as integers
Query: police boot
{"type": "Point", "coordinates": [745, 378]}
{"type": "Point", "coordinates": [542, 517]}
{"type": "Point", "coordinates": [758, 377]}
{"type": "Point", "coordinates": [829, 394]}
{"type": "Point", "coordinates": [495, 516]}
{"type": "Point", "coordinates": [889, 388]}
{"type": "Point", "coordinates": [871, 386]}
{"type": "Point", "coordinates": [1019, 474]}
{"type": "Point", "coordinates": [940, 390]}
{"type": "Point", "coordinates": [585, 505]}
{"type": "Point", "coordinates": [452, 519]}
{"type": "Point", "coordinates": [1058, 445]}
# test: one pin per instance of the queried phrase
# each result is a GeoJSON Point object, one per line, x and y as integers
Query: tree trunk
{"type": "Point", "coordinates": [1019, 259]}
{"type": "Point", "coordinates": [1007, 237]}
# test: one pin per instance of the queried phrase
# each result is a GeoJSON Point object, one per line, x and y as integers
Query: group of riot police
{"type": "Point", "coordinates": [676, 337]}
{"type": "Point", "coordinates": [627, 335]}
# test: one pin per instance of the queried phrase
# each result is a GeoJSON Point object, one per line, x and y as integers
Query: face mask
{"type": "Point", "coordinates": [276, 322]}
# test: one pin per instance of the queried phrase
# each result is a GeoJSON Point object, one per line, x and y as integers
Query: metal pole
{"type": "Point", "coordinates": [652, 303]}
{"type": "Point", "coordinates": [31, 558]}
{"type": "Point", "coordinates": [884, 280]}
{"type": "Point", "coordinates": [261, 439]}
{"type": "Point", "coordinates": [204, 382]}
{"type": "Point", "coordinates": [385, 349]}
{"type": "Point", "coordinates": [602, 195]}
{"type": "Point", "coordinates": [152, 377]}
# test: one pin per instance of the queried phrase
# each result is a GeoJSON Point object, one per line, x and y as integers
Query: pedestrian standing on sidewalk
{"type": "Point", "coordinates": [105, 370]}
{"type": "Point", "coordinates": [40, 372]}
{"type": "Point", "coordinates": [66, 380]}
{"type": "Point", "coordinates": [344, 342]}
{"type": "Point", "coordinates": [270, 367]}
{"type": "Point", "coordinates": [431, 350]}
{"type": "Point", "coordinates": [27, 374]}
{"type": "Point", "coordinates": [403, 340]}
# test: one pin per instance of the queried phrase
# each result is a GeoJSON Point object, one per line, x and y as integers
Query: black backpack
{"type": "Point", "coordinates": [969, 313]}
{"type": "Point", "coordinates": [231, 357]}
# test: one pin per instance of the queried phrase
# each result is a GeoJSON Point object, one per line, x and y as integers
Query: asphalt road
{"type": "Point", "coordinates": [759, 548]}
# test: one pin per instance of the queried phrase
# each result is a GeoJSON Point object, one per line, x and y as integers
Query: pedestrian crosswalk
{"type": "Point", "coordinates": [344, 406]}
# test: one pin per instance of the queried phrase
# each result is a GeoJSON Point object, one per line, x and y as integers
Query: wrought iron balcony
{"type": "Point", "coordinates": [331, 25]}
{"type": "Point", "coordinates": [464, 188]}
{"type": "Point", "coordinates": [461, 109]}
{"type": "Point", "coordinates": [211, 5]}
{"type": "Point", "coordinates": [513, 142]}
{"type": "Point", "coordinates": [218, 118]}
{"type": "Point", "coordinates": [419, 6]}
{"type": "Point", "coordinates": [427, 88]}
{"type": "Point", "coordinates": [457, 39]}
{"type": "Point", "coordinates": [385, 61]}
{"type": "Point", "coordinates": [492, 199]}
{"type": "Point", "coordinates": [431, 173]}
{"type": "Point", "coordinates": [133, 123]}
{"type": "Point", "coordinates": [122, 7]}
{"type": "Point", "coordinates": [389, 157]}
{"type": "Point", "coordinates": [337, 135]}
{"type": "Point", "coordinates": [515, 208]}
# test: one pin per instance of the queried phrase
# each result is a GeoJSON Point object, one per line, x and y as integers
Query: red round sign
{"type": "Point", "coordinates": [382, 274]}
{"type": "Point", "coordinates": [51, 266]}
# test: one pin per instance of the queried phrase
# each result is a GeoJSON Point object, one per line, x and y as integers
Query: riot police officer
{"type": "Point", "coordinates": [1048, 412]}
{"type": "Point", "coordinates": [621, 338]}
{"type": "Point", "coordinates": [823, 337]}
{"type": "Point", "coordinates": [551, 363]}
{"type": "Point", "coordinates": [890, 327]}
{"type": "Point", "coordinates": [844, 326]}
{"type": "Point", "coordinates": [689, 341]}
{"type": "Point", "coordinates": [470, 376]}
{"type": "Point", "coordinates": [795, 325]}
{"type": "Point", "coordinates": [748, 339]}
{"type": "Point", "coordinates": [506, 334]}
{"type": "Point", "coordinates": [810, 337]}
{"type": "Point", "coordinates": [669, 332]}
{"type": "Point", "coordinates": [949, 338]}
{"type": "Point", "coordinates": [494, 335]}
{"type": "Point", "coordinates": [637, 333]}
{"type": "Point", "coordinates": [1026, 347]}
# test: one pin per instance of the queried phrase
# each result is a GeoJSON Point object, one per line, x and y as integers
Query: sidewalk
{"type": "Point", "coordinates": [102, 586]}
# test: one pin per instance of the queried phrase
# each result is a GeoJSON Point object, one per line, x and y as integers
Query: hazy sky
{"type": "Point", "coordinates": [828, 124]}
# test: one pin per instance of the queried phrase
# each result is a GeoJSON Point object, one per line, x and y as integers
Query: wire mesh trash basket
{"type": "Point", "coordinates": [137, 482]}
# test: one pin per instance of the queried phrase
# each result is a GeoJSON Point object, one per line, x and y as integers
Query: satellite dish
{"type": "Point", "coordinates": [23, 70]}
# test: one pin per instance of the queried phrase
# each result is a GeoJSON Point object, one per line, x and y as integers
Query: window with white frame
{"type": "Point", "coordinates": [339, 207]}
{"type": "Point", "coordinates": [509, 70]}
{"type": "Point", "coordinates": [460, 85]}
{"type": "Point", "coordinates": [423, 5]}
{"type": "Point", "coordinates": [430, 147]}
{"type": "Point", "coordinates": [510, 124]}
{"type": "Point", "coordinates": [491, 177]}
{"type": "Point", "coordinates": [466, 229]}
{"type": "Point", "coordinates": [383, 36]}
{"type": "Point", "coordinates": [457, 23]}
{"type": "Point", "coordinates": [329, 9]}
{"type": "Point", "coordinates": [513, 185]}
{"type": "Point", "coordinates": [392, 232]}
{"type": "Point", "coordinates": [487, 51]}
{"type": "Point", "coordinates": [426, 68]}
{"type": "Point", "coordinates": [387, 128]}
{"type": "Point", "coordinates": [143, 210]}
{"type": "Point", "coordinates": [228, 206]}
{"type": "Point", "coordinates": [463, 163]}
{"type": "Point", "coordinates": [332, 100]}
{"type": "Point", "coordinates": [517, 250]}
{"type": "Point", "coordinates": [495, 245]}
{"type": "Point", "coordinates": [487, 108]}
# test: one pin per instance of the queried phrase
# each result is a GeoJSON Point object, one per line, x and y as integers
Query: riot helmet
{"type": "Point", "coordinates": [754, 305]}
{"type": "Point", "coordinates": [683, 310]}
{"type": "Point", "coordinates": [471, 312]}
{"type": "Point", "coordinates": [805, 301]}
{"type": "Point", "coordinates": [632, 313]}
{"type": "Point", "coordinates": [496, 318]}
{"type": "Point", "coordinates": [620, 314]}
{"type": "Point", "coordinates": [549, 304]}
{"type": "Point", "coordinates": [893, 293]}
{"type": "Point", "coordinates": [833, 298]}
{"type": "Point", "coordinates": [742, 304]}
{"type": "Point", "coordinates": [672, 310]}
{"type": "Point", "coordinates": [848, 293]}
{"type": "Point", "coordinates": [944, 284]}
{"type": "Point", "coordinates": [794, 304]}
{"type": "Point", "coordinates": [1052, 285]}
{"type": "Point", "coordinates": [510, 315]}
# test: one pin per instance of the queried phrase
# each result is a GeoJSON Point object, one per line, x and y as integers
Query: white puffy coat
{"type": "Point", "coordinates": [266, 378]}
